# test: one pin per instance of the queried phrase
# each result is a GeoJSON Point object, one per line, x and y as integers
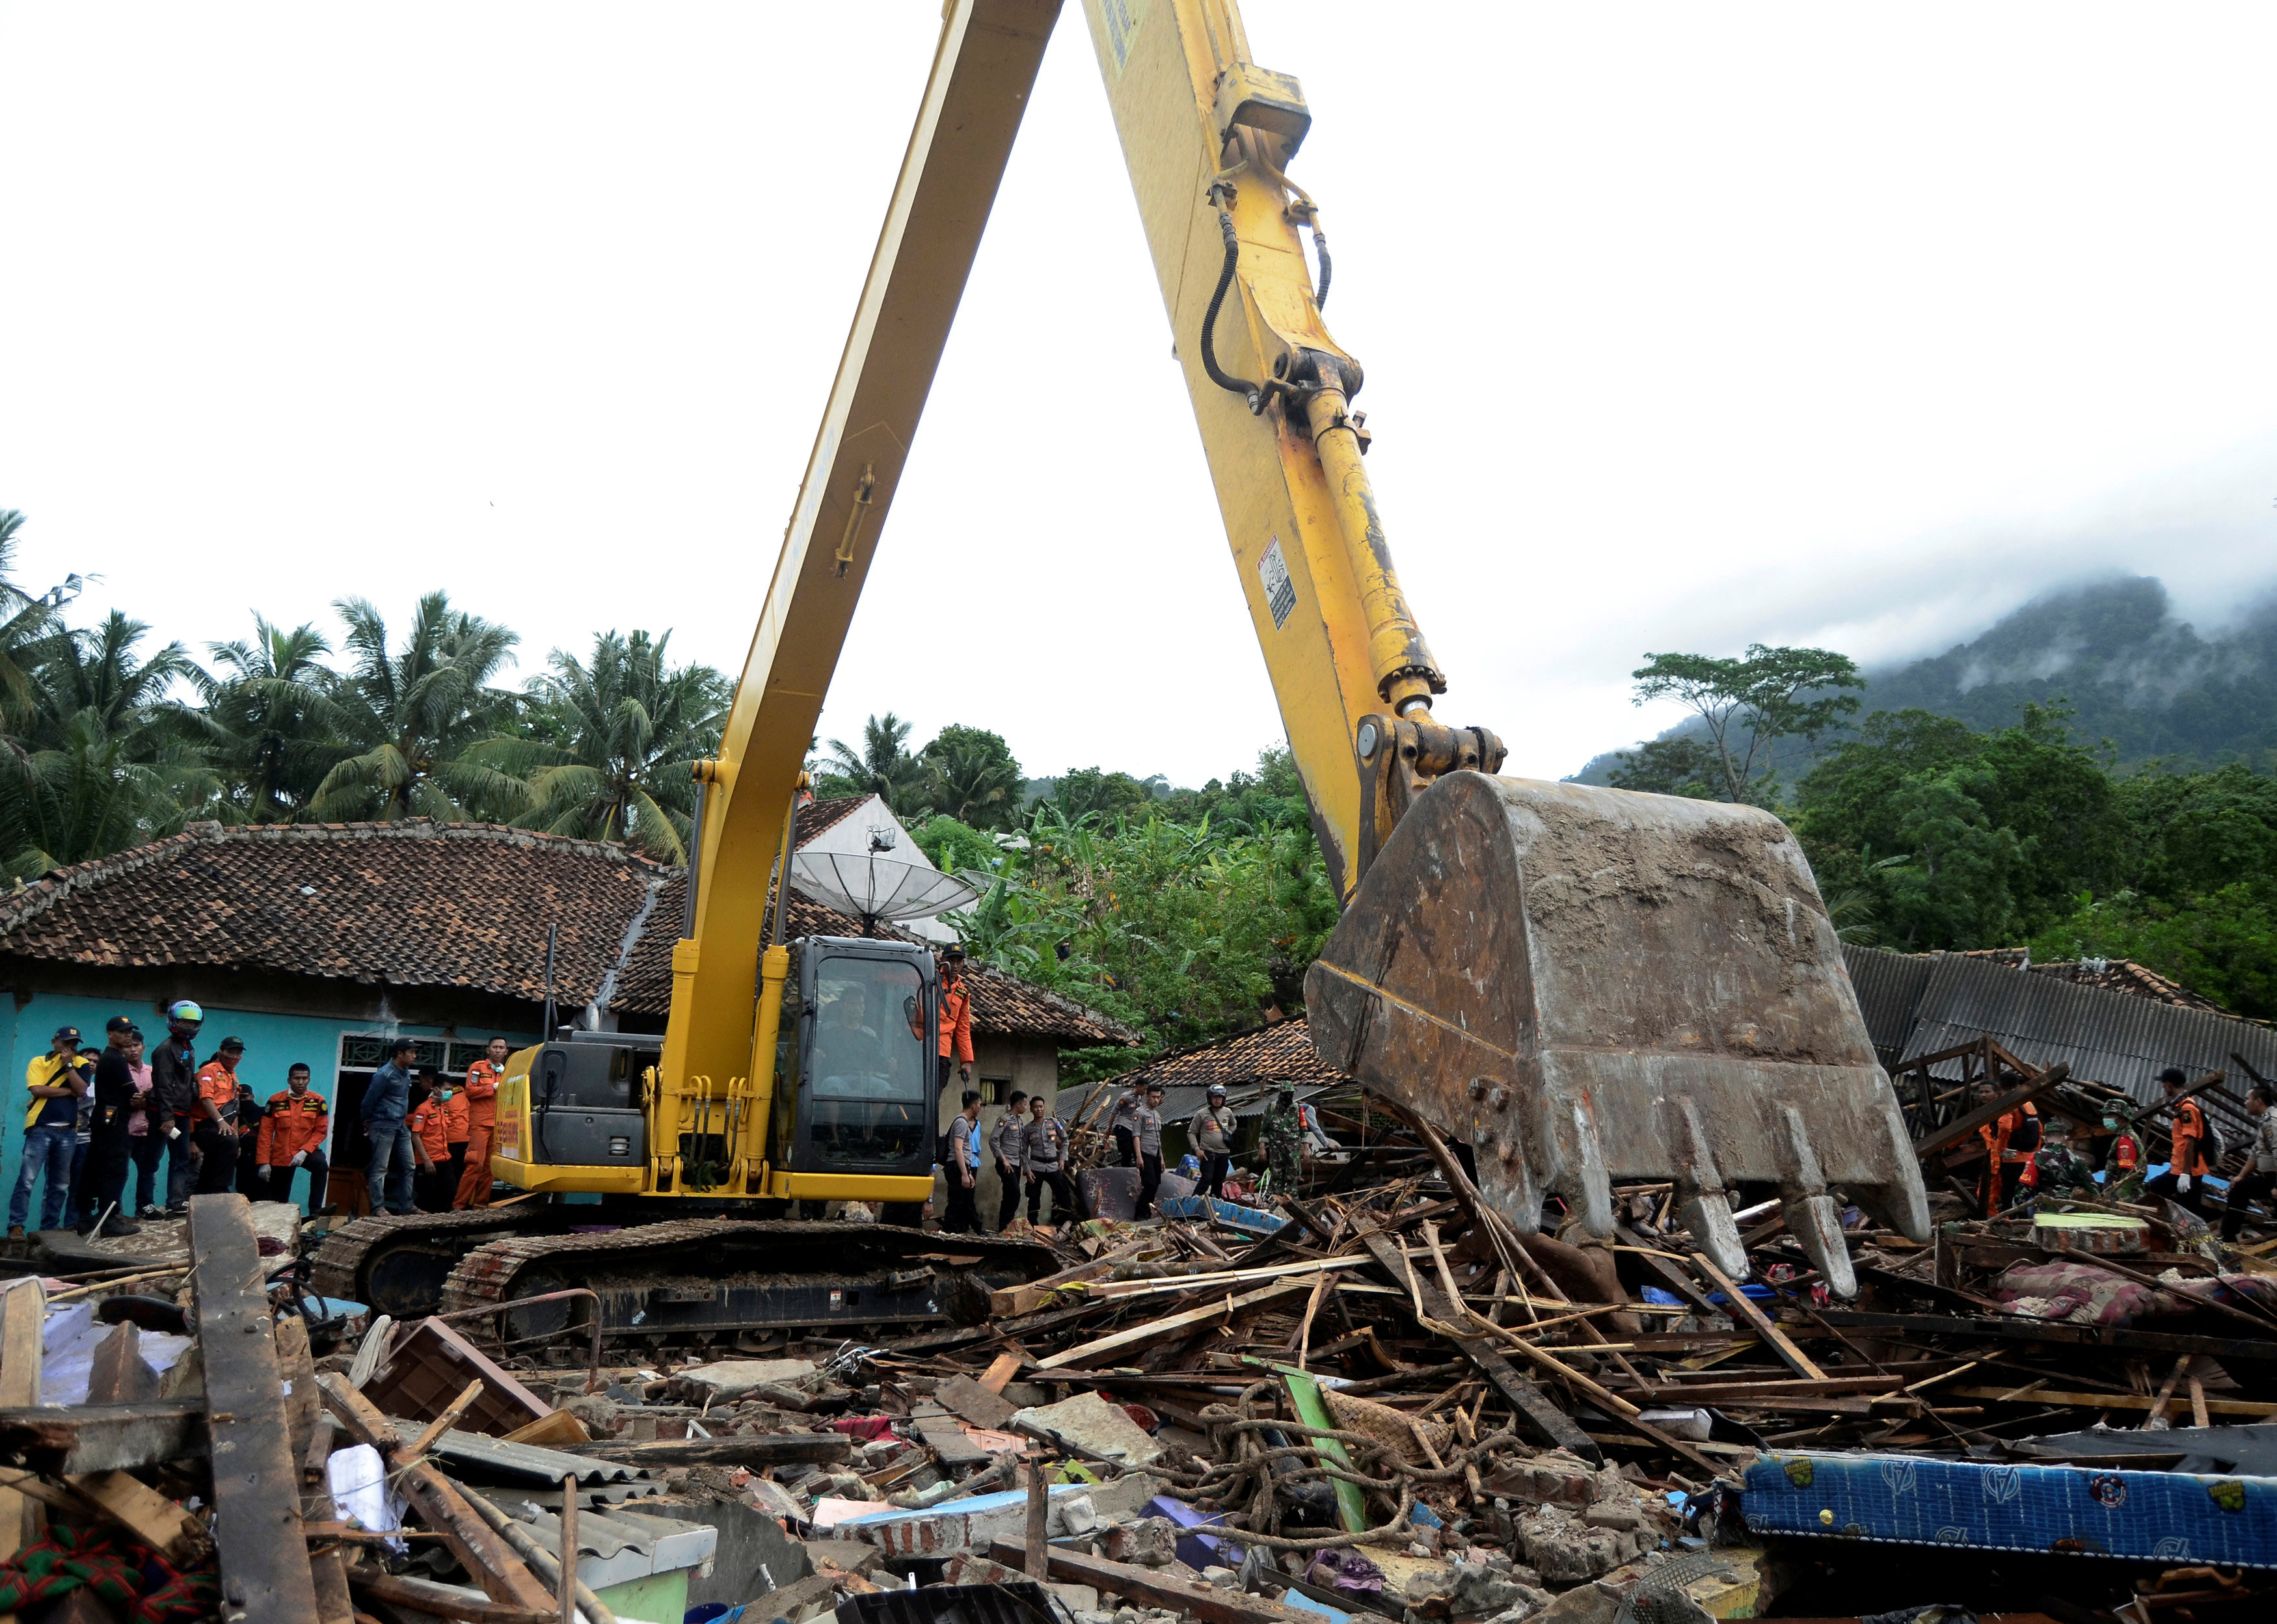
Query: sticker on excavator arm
{"type": "Point", "coordinates": [1280, 591]}
{"type": "Point", "coordinates": [1121, 17]}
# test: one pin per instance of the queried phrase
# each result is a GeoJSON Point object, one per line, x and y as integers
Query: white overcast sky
{"type": "Point", "coordinates": [1685, 326]}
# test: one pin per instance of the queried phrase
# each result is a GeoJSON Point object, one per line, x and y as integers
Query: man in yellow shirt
{"type": "Point", "coordinates": [55, 1082]}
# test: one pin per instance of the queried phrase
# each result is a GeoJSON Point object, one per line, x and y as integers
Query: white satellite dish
{"type": "Point", "coordinates": [873, 888]}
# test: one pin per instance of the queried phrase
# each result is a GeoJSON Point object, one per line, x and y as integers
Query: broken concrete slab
{"type": "Point", "coordinates": [965, 1396]}
{"type": "Point", "coordinates": [955, 1527]}
{"type": "Point", "coordinates": [1093, 1426]}
{"type": "Point", "coordinates": [733, 1379]}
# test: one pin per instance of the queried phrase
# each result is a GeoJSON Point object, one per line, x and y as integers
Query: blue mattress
{"type": "Point", "coordinates": [2086, 1511]}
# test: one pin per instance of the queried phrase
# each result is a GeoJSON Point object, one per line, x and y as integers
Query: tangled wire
{"type": "Point", "coordinates": [1245, 1486]}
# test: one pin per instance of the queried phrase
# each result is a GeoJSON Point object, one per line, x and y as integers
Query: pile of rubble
{"type": "Point", "coordinates": [1346, 1400]}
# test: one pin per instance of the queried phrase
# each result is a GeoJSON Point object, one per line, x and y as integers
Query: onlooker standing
{"type": "Point", "coordinates": [964, 1166]}
{"type": "Point", "coordinates": [956, 1021]}
{"type": "Point", "coordinates": [146, 1127]}
{"type": "Point", "coordinates": [2186, 1157]}
{"type": "Point", "coordinates": [483, 1079]}
{"type": "Point", "coordinates": [430, 1125]}
{"type": "Point", "coordinates": [174, 1069]}
{"type": "Point", "coordinates": [56, 1081]}
{"type": "Point", "coordinates": [2260, 1175]}
{"type": "Point", "coordinates": [1123, 1125]}
{"type": "Point", "coordinates": [387, 1106]}
{"type": "Point", "coordinates": [294, 1129]}
{"type": "Point", "coordinates": [215, 1133]}
{"type": "Point", "coordinates": [1004, 1145]}
{"type": "Point", "coordinates": [101, 1183]}
{"type": "Point", "coordinates": [83, 1132]}
{"type": "Point", "coordinates": [1211, 1133]}
{"type": "Point", "coordinates": [1149, 1136]}
{"type": "Point", "coordinates": [1043, 1150]}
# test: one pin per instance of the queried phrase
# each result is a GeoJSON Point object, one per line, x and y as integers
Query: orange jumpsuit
{"type": "Point", "coordinates": [956, 1024]}
{"type": "Point", "coordinates": [2005, 1169]}
{"type": "Point", "coordinates": [481, 1097]}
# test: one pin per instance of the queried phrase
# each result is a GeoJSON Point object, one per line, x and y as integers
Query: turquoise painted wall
{"type": "Point", "coordinates": [272, 1044]}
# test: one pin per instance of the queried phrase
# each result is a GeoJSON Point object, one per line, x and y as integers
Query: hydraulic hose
{"type": "Point", "coordinates": [1218, 375]}
{"type": "Point", "coordinates": [1321, 252]}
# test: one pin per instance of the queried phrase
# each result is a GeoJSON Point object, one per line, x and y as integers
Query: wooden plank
{"type": "Point", "coordinates": [1961, 1127]}
{"type": "Point", "coordinates": [1671, 1276]}
{"type": "Point", "coordinates": [1001, 1371]}
{"type": "Point", "coordinates": [256, 1486]}
{"type": "Point", "coordinates": [99, 1437]}
{"type": "Point", "coordinates": [2113, 1400]}
{"type": "Point", "coordinates": [157, 1521]}
{"type": "Point", "coordinates": [763, 1449]}
{"type": "Point", "coordinates": [1153, 1329]}
{"type": "Point", "coordinates": [1156, 1587]}
{"type": "Point", "coordinates": [23, 1314]}
{"type": "Point", "coordinates": [487, 1558]}
{"type": "Point", "coordinates": [449, 1601]}
{"type": "Point", "coordinates": [119, 1373]}
{"type": "Point", "coordinates": [1530, 1405]}
{"type": "Point", "coordinates": [311, 1444]}
{"type": "Point", "coordinates": [2053, 1331]}
{"type": "Point", "coordinates": [1794, 1357]}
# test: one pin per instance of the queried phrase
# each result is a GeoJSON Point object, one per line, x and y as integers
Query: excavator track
{"type": "Point", "coordinates": [698, 1281]}
{"type": "Point", "coordinates": [398, 1265]}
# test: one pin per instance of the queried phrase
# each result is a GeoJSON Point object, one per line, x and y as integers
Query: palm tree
{"type": "Point", "coordinates": [268, 719]}
{"type": "Point", "coordinates": [28, 630]}
{"type": "Point", "coordinates": [612, 739]}
{"type": "Point", "coordinates": [883, 766]}
{"type": "Point", "coordinates": [104, 769]}
{"type": "Point", "coordinates": [971, 782]}
{"type": "Point", "coordinates": [413, 715]}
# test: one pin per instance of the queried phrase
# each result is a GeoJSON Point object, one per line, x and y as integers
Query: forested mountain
{"type": "Point", "coordinates": [2129, 670]}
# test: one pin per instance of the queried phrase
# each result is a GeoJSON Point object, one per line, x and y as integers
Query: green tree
{"type": "Point", "coordinates": [28, 627]}
{"type": "Point", "coordinates": [957, 847]}
{"type": "Point", "coordinates": [414, 713]}
{"type": "Point", "coordinates": [972, 775]}
{"type": "Point", "coordinates": [882, 766]}
{"type": "Point", "coordinates": [267, 719]}
{"type": "Point", "coordinates": [611, 743]}
{"type": "Point", "coordinates": [1747, 705]}
{"type": "Point", "coordinates": [1677, 766]}
{"type": "Point", "coordinates": [1088, 790]}
{"type": "Point", "coordinates": [106, 768]}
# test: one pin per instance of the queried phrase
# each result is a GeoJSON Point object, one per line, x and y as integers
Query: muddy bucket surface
{"type": "Point", "coordinates": [1590, 986]}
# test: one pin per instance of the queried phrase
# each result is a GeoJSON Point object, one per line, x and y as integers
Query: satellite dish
{"type": "Point", "coordinates": [873, 888]}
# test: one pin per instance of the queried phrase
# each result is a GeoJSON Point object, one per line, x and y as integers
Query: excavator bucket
{"type": "Point", "coordinates": [1590, 986]}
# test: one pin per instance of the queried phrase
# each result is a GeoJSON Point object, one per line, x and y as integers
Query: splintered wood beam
{"type": "Point", "coordinates": [256, 1486]}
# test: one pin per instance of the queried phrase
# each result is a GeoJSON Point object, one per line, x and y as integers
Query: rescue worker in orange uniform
{"type": "Point", "coordinates": [215, 1134]}
{"type": "Point", "coordinates": [2186, 1156]}
{"type": "Point", "coordinates": [429, 1123]}
{"type": "Point", "coordinates": [294, 1129]}
{"type": "Point", "coordinates": [483, 1079]}
{"type": "Point", "coordinates": [956, 1021]}
{"type": "Point", "coordinates": [2010, 1141]}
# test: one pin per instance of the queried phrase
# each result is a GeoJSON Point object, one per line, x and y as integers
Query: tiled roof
{"type": "Point", "coordinates": [1002, 1004]}
{"type": "Point", "coordinates": [409, 904]}
{"type": "Point", "coordinates": [1248, 1064]}
{"type": "Point", "coordinates": [817, 816]}
{"type": "Point", "coordinates": [2125, 976]}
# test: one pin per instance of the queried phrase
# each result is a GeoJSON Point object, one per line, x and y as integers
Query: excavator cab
{"type": "Point", "coordinates": [855, 1090]}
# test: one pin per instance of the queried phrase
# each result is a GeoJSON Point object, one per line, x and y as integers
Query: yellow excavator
{"type": "Point", "coordinates": [1581, 985]}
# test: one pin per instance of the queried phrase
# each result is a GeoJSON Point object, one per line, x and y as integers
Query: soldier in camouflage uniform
{"type": "Point", "coordinates": [1284, 1137]}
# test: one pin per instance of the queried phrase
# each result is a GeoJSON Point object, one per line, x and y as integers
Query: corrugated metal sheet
{"type": "Point", "coordinates": [1889, 988]}
{"type": "Point", "coordinates": [2106, 1037]}
{"type": "Point", "coordinates": [519, 1463]}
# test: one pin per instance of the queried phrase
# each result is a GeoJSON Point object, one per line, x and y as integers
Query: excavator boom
{"type": "Point", "coordinates": [1583, 984]}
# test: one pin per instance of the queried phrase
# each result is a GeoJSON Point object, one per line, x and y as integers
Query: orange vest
{"type": "Point", "coordinates": [431, 1122]}
{"type": "Point", "coordinates": [481, 1094]}
{"type": "Point", "coordinates": [218, 1084]}
{"type": "Point", "coordinates": [2188, 1152]}
{"type": "Point", "coordinates": [957, 1022]}
{"type": "Point", "coordinates": [291, 1124]}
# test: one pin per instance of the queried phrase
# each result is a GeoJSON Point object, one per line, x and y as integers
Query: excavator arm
{"type": "Point", "coordinates": [1583, 985]}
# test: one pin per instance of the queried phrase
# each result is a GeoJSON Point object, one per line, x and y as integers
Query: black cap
{"type": "Point", "coordinates": [402, 1043]}
{"type": "Point", "coordinates": [2174, 1077]}
{"type": "Point", "coordinates": [231, 1046]}
{"type": "Point", "coordinates": [66, 1034]}
{"type": "Point", "coordinates": [118, 1023]}
{"type": "Point", "coordinates": [953, 952]}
